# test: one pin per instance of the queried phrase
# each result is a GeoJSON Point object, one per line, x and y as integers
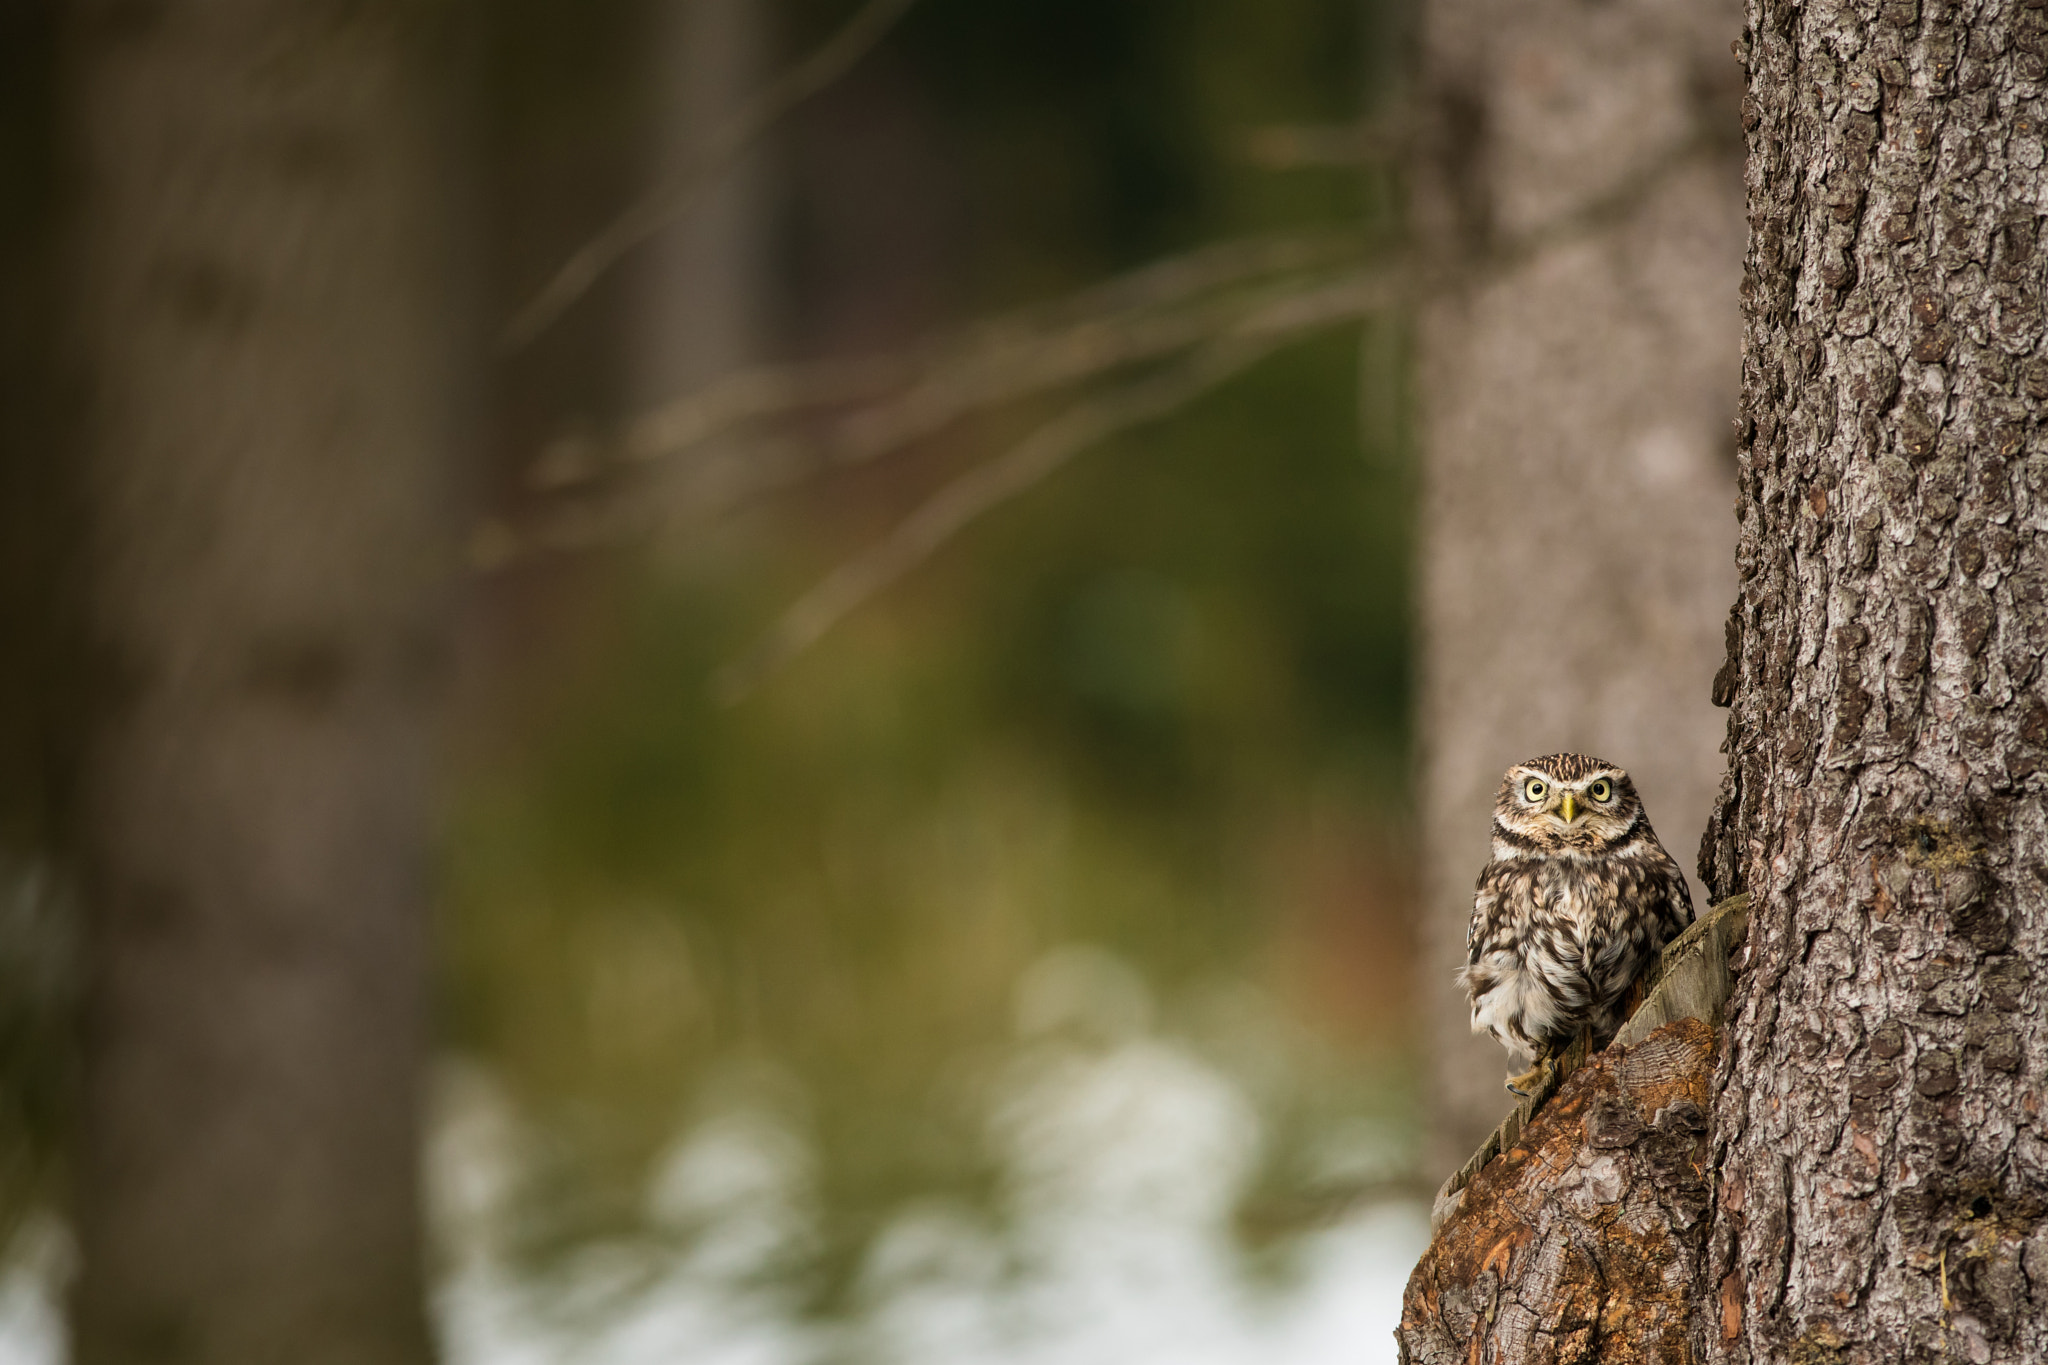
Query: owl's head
{"type": "Point", "coordinates": [1564, 803]}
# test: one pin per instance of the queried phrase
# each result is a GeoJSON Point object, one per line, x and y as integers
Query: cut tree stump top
{"type": "Point", "coordinates": [1689, 981]}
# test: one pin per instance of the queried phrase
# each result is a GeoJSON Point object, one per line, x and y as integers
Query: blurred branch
{"type": "Point", "coordinates": [1088, 423]}
{"type": "Point", "coordinates": [1285, 318]}
{"type": "Point", "coordinates": [666, 202]}
{"type": "Point", "coordinates": [1197, 319]}
{"type": "Point", "coordinates": [952, 508]}
{"type": "Point", "coordinates": [919, 391]}
{"type": "Point", "coordinates": [599, 490]}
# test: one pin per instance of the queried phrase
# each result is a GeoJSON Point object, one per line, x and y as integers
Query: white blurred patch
{"type": "Point", "coordinates": [1143, 1131]}
{"type": "Point", "coordinates": [474, 1148]}
{"type": "Point", "coordinates": [38, 1267]}
{"type": "Point", "coordinates": [1082, 990]}
{"type": "Point", "coordinates": [1122, 1152]}
{"type": "Point", "coordinates": [739, 1184]}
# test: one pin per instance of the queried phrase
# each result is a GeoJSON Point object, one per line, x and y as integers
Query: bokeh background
{"type": "Point", "coordinates": [1043, 927]}
{"type": "Point", "coordinates": [872, 930]}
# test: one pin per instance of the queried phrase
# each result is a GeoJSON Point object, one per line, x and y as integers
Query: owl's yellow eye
{"type": "Point", "coordinates": [1534, 790]}
{"type": "Point", "coordinates": [1601, 790]}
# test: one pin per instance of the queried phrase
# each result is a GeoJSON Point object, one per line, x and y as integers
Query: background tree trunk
{"type": "Point", "coordinates": [699, 306]}
{"type": "Point", "coordinates": [39, 689]}
{"type": "Point", "coordinates": [263, 286]}
{"type": "Point", "coordinates": [1883, 1160]}
{"type": "Point", "coordinates": [1576, 468]}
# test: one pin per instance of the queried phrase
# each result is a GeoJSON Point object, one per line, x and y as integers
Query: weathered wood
{"type": "Point", "coordinates": [1582, 1239]}
{"type": "Point", "coordinates": [1692, 979]}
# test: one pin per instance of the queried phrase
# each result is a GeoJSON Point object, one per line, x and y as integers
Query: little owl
{"type": "Point", "coordinates": [1578, 899]}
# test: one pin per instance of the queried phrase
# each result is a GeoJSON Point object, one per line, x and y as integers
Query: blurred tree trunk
{"type": "Point", "coordinates": [35, 525]}
{"type": "Point", "coordinates": [262, 291]}
{"type": "Point", "coordinates": [1883, 1159]}
{"type": "Point", "coordinates": [38, 636]}
{"type": "Point", "coordinates": [1576, 410]}
{"type": "Point", "coordinates": [699, 306]}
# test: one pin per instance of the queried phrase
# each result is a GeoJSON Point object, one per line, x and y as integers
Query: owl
{"type": "Point", "coordinates": [1578, 899]}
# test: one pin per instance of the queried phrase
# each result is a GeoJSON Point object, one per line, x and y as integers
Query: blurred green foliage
{"type": "Point", "coordinates": [1157, 705]}
{"type": "Point", "coordinates": [1093, 137]}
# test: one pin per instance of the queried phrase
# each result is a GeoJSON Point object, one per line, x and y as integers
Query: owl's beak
{"type": "Point", "coordinates": [1569, 808]}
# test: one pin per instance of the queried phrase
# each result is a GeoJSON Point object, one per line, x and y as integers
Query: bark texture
{"type": "Point", "coordinates": [1577, 471]}
{"type": "Point", "coordinates": [1582, 1241]}
{"type": "Point", "coordinates": [262, 287]}
{"type": "Point", "coordinates": [1878, 1131]}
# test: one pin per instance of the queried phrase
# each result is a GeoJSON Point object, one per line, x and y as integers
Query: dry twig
{"type": "Point", "coordinates": [1141, 316]}
{"type": "Point", "coordinates": [1288, 315]}
{"type": "Point", "coordinates": [1088, 423]}
{"type": "Point", "coordinates": [952, 508]}
{"type": "Point", "coordinates": [666, 202]}
{"type": "Point", "coordinates": [1219, 310]}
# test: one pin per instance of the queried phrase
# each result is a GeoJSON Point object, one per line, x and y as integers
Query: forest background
{"type": "Point", "coordinates": [899, 978]}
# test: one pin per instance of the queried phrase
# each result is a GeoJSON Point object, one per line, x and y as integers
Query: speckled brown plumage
{"type": "Point", "coordinates": [1578, 899]}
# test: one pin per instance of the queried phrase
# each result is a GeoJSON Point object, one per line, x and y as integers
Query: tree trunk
{"type": "Point", "coordinates": [262, 293]}
{"type": "Point", "coordinates": [1576, 463]}
{"type": "Point", "coordinates": [1879, 1129]}
{"type": "Point", "coordinates": [1877, 1141]}
{"type": "Point", "coordinates": [38, 633]}
{"type": "Point", "coordinates": [699, 306]}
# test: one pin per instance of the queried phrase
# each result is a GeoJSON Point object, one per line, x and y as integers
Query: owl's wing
{"type": "Point", "coordinates": [1674, 898]}
{"type": "Point", "coordinates": [1487, 908]}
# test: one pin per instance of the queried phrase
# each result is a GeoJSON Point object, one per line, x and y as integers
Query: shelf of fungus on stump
{"type": "Point", "coordinates": [1583, 1215]}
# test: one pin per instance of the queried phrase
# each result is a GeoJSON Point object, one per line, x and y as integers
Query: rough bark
{"type": "Point", "coordinates": [262, 292]}
{"type": "Point", "coordinates": [1879, 1134]}
{"type": "Point", "coordinates": [1576, 413]}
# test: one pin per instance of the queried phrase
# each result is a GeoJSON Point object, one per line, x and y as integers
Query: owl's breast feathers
{"type": "Point", "coordinates": [1556, 942]}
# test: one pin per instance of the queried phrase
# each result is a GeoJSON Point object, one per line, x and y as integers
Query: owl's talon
{"type": "Point", "coordinates": [1532, 1080]}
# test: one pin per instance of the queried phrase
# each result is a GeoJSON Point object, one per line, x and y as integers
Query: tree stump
{"type": "Point", "coordinates": [1577, 1232]}
{"type": "Point", "coordinates": [1582, 1241]}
